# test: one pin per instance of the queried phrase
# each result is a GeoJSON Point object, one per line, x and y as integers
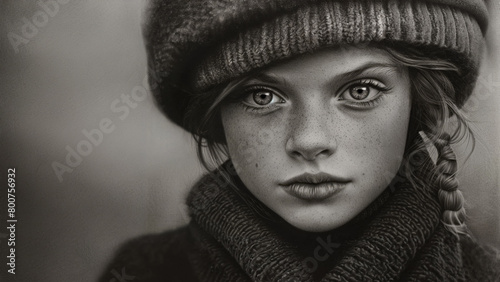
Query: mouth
{"type": "Point", "coordinates": [314, 187]}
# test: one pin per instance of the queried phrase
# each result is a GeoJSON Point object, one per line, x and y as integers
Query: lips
{"type": "Point", "coordinates": [314, 187]}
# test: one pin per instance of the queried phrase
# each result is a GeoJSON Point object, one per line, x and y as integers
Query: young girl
{"type": "Point", "coordinates": [317, 120]}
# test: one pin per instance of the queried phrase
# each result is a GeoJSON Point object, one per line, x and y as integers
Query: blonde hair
{"type": "Point", "coordinates": [432, 112]}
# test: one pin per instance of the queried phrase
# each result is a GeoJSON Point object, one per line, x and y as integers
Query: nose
{"type": "Point", "coordinates": [311, 135]}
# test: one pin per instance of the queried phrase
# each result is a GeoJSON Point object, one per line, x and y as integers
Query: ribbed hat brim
{"type": "Point", "coordinates": [332, 23]}
{"type": "Point", "coordinates": [196, 45]}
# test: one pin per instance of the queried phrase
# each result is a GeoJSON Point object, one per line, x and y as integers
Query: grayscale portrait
{"type": "Point", "coordinates": [250, 140]}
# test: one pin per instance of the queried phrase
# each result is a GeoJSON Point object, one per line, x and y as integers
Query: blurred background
{"type": "Point", "coordinates": [72, 68]}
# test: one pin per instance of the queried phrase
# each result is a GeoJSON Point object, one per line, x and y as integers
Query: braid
{"type": "Point", "coordinates": [450, 197]}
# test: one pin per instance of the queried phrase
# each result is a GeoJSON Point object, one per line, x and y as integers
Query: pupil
{"type": "Point", "coordinates": [263, 98]}
{"type": "Point", "coordinates": [360, 92]}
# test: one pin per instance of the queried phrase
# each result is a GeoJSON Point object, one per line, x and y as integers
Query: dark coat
{"type": "Point", "coordinates": [398, 237]}
{"type": "Point", "coordinates": [166, 257]}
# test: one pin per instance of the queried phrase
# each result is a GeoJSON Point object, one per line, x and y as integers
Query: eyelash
{"type": "Point", "coordinates": [372, 83]}
{"type": "Point", "coordinates": [251, 90]}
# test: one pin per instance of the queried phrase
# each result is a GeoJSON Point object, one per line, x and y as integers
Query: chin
{"type": "Point", "coordinates": [316, 223]}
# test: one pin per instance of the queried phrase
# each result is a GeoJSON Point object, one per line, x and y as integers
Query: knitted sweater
{"type": "Point", "coordinates": [399, 237]}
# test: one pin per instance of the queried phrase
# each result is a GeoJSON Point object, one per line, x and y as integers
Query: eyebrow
{"type": "Point", "coordinates": [363, 68]}
{"type": "Point", "coordinates": [273, 79]}
{"type": "Point", "coordinates": [268, 78]}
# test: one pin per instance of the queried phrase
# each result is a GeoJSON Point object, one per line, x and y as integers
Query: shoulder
{"type": "Point", "coordinates": [152, 258]}
{"type": "Point", "coordinates": [481, 262]}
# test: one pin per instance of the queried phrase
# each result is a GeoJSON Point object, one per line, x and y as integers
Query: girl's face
{"type": "Point", "coordinates": [318, 138]}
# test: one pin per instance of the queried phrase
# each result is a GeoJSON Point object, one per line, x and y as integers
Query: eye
{"type": "Point", "coordinates": [359, 92]}
{"type": "Point", "coordinates": [260, 97]}
{"type": "Point", "coordinates": [263, 97]}
{"type": "Point", "coordinates": [363, 93]}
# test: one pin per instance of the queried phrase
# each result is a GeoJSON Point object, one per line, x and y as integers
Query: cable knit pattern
{"type": "Point", "coordinates": [399, 237]}
{"type": "Point", "coordinates": [195, 45]}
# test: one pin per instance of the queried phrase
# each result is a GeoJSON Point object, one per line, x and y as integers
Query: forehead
{"type": "Point", "coordinates": [331, 62]}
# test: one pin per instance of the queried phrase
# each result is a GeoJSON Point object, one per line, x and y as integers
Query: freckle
{"type": "Point", "coordinates": [256, 165]}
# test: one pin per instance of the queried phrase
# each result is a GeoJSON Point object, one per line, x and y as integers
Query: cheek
{"type": "Point", "coordinates": [380, 140]}
{"type": "Point", "coordinates": [251, 144]}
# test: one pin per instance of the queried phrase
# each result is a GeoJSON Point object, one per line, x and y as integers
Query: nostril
{"type": "Point", "coordinates": [311, 155]}
{"type": "Point", "coordinates": [325, 152]}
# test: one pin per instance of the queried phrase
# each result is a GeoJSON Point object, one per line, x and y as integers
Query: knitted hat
{"type": "Point", "coordinates": [195, 45]}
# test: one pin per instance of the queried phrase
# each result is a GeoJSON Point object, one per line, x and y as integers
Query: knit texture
{"type": "Point", "coordinates": [399, 237]}
{"type": "Point", "coordinates": [196, 45]}
{"type": "Point", "coordinates": [331, 23]}
{"type": "Point", "coordinates": [407, 225]}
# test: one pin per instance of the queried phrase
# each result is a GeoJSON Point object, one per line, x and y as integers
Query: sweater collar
{"type": "Point", "coordinates": [381, 243]}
